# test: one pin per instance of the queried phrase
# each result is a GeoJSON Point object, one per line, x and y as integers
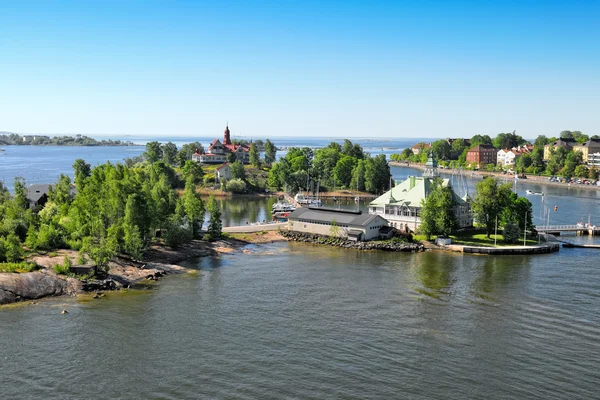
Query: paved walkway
{"type": "Point", "coordinates": [254, 228]}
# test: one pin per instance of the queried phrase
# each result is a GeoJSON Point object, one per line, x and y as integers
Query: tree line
{"type": "Point", "coordinates": [335, 166]}
{"type": "Point", "coordinates": [111, 209]}
{"type": "Point", "coordinates": [77, 140]}
{"type": "Point", "coordinates": [562, 161]}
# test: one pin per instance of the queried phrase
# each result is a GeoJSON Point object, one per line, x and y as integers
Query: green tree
{"type": "Point", "coordinates": [489, 202]}
{"type": "Point", "coordinates": [169, 153]}
{"type": "Point", "coordinates": [507, 140]}
{"type": "Point", "coordinates": [214, 223]}
{"type": "Point", "coordinates": [254, 156]}
{"type": "Point", "coordinates": [511, 233]}
{"type": "Point", "coordinates": [153, 152]}
{"type": "Point", "coordinates": [82, 171]}
{"type": "Point", "coordinates": [593, 173]}
{"type": "Point", "coordinates": [192, 169]}
{"type": "Point", "coordinates": [237, 170]}
{"type": "Point", "coordinates": [437, 211]}
{"type": "Point", "coordinates": [270, 152]}
{"type": "Point", "coordinates": [342, 171]}
{"type": "Point", "coordinates": [541, 141]}
{"type": "Point", "coordinates": [193, 207]}
{"type": "Point", "coordinates": [358, 176]}
{"type": "Point", "coordinates": [13, 251]}
{"type": "Point", "coordinates": [581, 171]}
{"type": "Point", "coordinates": [441, 149]}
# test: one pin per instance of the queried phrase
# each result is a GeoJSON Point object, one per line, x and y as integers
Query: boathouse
{"type": "Point", "coordinates": [353, 225]}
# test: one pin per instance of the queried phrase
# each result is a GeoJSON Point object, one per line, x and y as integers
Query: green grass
{"type": "Point", "coordinates": [18, 267]}
{"type": "Point", "coordinates": [479, 239]}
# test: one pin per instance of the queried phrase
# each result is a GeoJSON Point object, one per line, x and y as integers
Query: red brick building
{"type": "Point", "coordinates": [481, 155]}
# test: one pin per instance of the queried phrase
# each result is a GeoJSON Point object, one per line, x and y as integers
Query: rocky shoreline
{"type": "Point", "coordinates": [348, 244]}
{"type": "Point", "coordinates": [123, 273]}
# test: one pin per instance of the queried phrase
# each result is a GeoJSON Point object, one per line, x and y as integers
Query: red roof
{"type": "Point", "coordinates": [221, 166]}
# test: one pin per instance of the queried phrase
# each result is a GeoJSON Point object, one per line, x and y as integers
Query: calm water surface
{"type": "Point", "coordinates": [297, 321]}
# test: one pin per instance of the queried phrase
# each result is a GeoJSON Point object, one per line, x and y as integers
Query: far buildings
{"type": "Point", "coordinates": [481, 155]}
{"type": "Point", "coordinates": [401, 206]}
{"type": "Point", "coordinates": [217, 152]}
{"type": "Point", "coordinates": [507, 157]}
{"type": "Point", "coordinates": [353, 225]}
{"type": "Point", "coordinates": [417, 148]}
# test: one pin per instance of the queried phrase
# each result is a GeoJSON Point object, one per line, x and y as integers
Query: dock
{"type": "Point", "coordinates": [580, 229]}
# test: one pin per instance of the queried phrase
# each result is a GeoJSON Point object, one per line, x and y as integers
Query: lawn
{"type": "Point", "coordinates": [480, 239]}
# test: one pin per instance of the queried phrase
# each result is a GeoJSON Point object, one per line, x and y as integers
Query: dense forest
{"type": "Point", "coordinates": [333, 167]}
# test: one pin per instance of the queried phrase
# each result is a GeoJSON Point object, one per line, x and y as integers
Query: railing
{"type": "Point", "coordinates": [563, 228]}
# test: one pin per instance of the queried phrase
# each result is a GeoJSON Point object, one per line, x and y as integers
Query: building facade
{"type": "Point", "coordinates": [222, 173]}
{"type": "Point", "coordinates": [353, 225]}
{"type": "Point", "coordinates": [481, 155]}
{"type": "Point", "coordinates": [594, 159]}
{"type": "Point", "coordinates": [590, 147]}
{"type": "Point", "coordinates": [401, 206]}
{"type": "Point", "coordinates": [566, 143]}
{"type": "Point", "coordinates": [217, 151]}
{"type": "Point", "coordinates": [417, 148]}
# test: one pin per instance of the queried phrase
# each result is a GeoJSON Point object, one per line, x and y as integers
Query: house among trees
{"type": "Point", "coordinates": [353, 225]}
{"type": "Point", "coordinates": [481, 155]}
{"type": "Point", "coordinates": [507, 157]}
{"type": "Point", "coordinates": [222, 173]}
{"type": "Point", "coordinates": [37, 195]}
{"type": "Point", "coordinates": [567, 143]}
{"type": "Point", "coordinates": [416, 149]}
{"type": "Point", "coordinates": [218, 151]}
{"type": "Point", "coordinates": [401, 206]}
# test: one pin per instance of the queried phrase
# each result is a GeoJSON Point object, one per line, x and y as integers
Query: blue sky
{"type": "Point", "coordinates": [292, 68]}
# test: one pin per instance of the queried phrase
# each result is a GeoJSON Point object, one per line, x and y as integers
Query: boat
{"type": "Point", "coordinates": [307, 200]}
{"type": "Point", "coordinates": [282, 207]}
{"type": "Point", "coordinates": [530, 193]}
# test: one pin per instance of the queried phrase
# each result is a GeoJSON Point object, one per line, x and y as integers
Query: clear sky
{"type": "Point", "coordinates": [291, 68]}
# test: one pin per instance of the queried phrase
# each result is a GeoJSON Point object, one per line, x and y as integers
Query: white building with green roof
{"type": "Point", "coordinates": [401, 206]}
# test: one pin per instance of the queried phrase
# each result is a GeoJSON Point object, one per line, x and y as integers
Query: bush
{"type": "Point", "coordinates": [18, 267]}
{"type": "Point", "coordinates": [511, 232]}
{"type": "Point", "coordinates": [236, 186]}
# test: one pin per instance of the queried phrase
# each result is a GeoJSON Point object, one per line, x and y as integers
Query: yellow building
{"type": "Point", "coordinates": [568, 143]}
{"type": "Point", "coordinates": [587, 148]}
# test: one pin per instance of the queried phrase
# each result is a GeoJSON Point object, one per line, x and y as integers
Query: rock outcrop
{"type": "Point", "coordinates": [33, 285]}
{"type": "Point", "coordinates": [348, 244]}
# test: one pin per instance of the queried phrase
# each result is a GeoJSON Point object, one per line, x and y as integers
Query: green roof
{"type": "Point", "coordinates": [404, 194]}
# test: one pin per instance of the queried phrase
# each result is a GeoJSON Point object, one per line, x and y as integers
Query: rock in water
{"type": "Point", "coordinates": [64, 312]}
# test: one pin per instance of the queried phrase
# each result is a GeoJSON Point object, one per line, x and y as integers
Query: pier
{"type": "Point", "coordinates": [577, 228]}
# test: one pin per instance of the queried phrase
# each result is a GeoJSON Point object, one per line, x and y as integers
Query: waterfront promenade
{"type": "Point", "coordinates": [534, 179]}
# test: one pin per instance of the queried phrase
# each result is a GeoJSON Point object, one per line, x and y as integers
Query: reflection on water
{"type": "Point", "coordinates": [292, 320]}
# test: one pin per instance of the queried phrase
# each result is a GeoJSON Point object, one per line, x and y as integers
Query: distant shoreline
{"type": "Point", "coordinates": [531, 179]}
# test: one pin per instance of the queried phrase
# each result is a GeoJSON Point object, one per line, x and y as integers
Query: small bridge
{"type": "Point", "coordinates": [578, 228]}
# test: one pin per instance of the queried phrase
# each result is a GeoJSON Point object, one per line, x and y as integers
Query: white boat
{"type": "Point", "coordinates": [307, 200]}
{"type": "Point", "coordinates": [282, 207]}
{"type": "Point", "coordinates": [529, 192]}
